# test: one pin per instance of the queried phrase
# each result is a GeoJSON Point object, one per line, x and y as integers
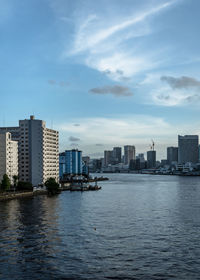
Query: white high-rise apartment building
{"type": "Point", "coordinates": [38, 151]}
{"type": "Point", "coordinates": [8, 156]}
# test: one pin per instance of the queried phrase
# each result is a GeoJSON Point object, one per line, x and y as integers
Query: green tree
{"type": "Point", "coordinates": [52, 186]}
{"type": "Point", "coordinates": [24, 186]}
{"type": "Point", "coordinates": [5, 183]}
{"type": "Point", "coordinates": [15, 179]}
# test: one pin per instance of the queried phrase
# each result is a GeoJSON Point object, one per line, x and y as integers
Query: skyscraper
{"type": "Point", "coordinates": [38, 150]}
{"type": "Point", "coordinates": [117, 154]}
{"type": "Point", "coordinates": [172, 154]}
{"type": "Point", "coordinates": [151, 159]}
{"type": "Point", "coordinates": [188, 148]}
{"type": "Point", "coordinates": [129, 153]}
{"type": "Point", "coordinates": [141, 160]}
{"type": "Point", "coordinates": [108, 156]}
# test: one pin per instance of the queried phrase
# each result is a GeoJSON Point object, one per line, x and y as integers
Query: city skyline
{"type": "Point", "coordinates": [103, 74]}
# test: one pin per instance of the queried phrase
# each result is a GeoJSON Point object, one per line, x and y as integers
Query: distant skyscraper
{"type": "Point", "coordinates": [188, 148]}
{"type": "Point", "coordinates": [96, 165]}
{"type": "Point", "coordinates": [141, 159]}
{"type": "Point", "coordinates": [199, 153]}
{"type": "Point", "coordinates": [108, 157]}
{"type": "Point", "coordinates": [86, 159]}
{"type": "Point", "coordinates": [151, 159]}
{"type": "Point", "coordinates": [8, 156]}
{"type": "Point", "coordinates": [129, 153]}
{"type": "Point", "coordinates": [172, 154]}
{"type": "Point", "coordinates": [117, 154]}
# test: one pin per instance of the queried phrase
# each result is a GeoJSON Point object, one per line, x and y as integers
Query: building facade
{"type": "Point", "coordinates": [172, 155]}
{"type": "Point", "coordinates": [108, 157]}
{"type": "Point", "coordinates": [141, 160]}
{"type": "Point", "coordinates": [129, 153]}
{"type": "Point", "coordinates": [38, 151]}
{"type": "Point", "coordinates": [70, 162]}
{"type": "Point", "coordinates": [151, 159]}
{"type": "Point", "coordinates": [117, 155]}
{"type": "Point", "coordinates": [14, 130]}
{"type": "Point", "coordinates": [8, 156]}
{"type": "Point", "coordinates": [188, 149]}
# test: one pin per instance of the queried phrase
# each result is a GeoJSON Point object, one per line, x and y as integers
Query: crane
{"type": "Point", "coordinates": [153, 145]}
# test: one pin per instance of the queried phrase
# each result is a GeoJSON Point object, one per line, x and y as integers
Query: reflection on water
{"type": "Point", "coordinates": [136, 227]}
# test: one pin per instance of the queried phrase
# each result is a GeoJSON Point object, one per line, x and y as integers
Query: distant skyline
{"type": "Point", "coordinates": [104, 73]}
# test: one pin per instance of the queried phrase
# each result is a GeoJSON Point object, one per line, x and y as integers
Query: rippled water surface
{"type": "Point", "coordinates": [136, 227]}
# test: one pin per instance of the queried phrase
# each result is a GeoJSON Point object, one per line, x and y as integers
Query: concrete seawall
{"type": "Point", "coordinates": [9, 196]}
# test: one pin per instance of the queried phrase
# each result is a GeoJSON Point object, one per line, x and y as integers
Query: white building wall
{"type": "Point", "coordinates": [51, 154]}
{"type": "Point", "coordinates": [8, 156]}
{"type": "Point", "coordinates": [38, 151]}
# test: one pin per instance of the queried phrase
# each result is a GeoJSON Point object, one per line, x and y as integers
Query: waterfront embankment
{"type": "Point", "coordinates": [8, 195]}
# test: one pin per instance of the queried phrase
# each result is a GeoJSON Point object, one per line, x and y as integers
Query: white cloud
{"type": "Point", "coordinates": [126, 62]}
{"type": "Point", "coordinates": [122, 130]}
{"type": "Point", "coordinates": [84, 40]}
{"type": "Point", "coordinates": [105, 43]}
{"type": "Point", "coordinates": [172, 90]}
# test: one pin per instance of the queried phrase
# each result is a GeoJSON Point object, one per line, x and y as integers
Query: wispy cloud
{"type": "Point", "coordinates": [121, 62]}
{"type": "Point", "coordinates": [178, 91]}
{"type": "Point", "coordinates": [183, 82]}
{"type": "Point", "coordinates": [107, 45]}
{"type": "Point", "coordinates": [104, 34]}
{"type": "Point", "coordinates": [116, 90]}
{"type": "Point", "coordinates": [74, 139]}
{"type": "Point", "coordinates": [124, 129]}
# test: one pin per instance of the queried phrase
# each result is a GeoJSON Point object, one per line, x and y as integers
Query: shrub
{"type": "Point", "coordinates": [52, 186]}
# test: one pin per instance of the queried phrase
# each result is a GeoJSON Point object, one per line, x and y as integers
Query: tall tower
{"type": "Point", "coordinates": [151, 159]}
{"type": "Point", "coordinates": [108, 156]}
{"type": "Point", "coordinates": [117, 154]}
{"type": "Point", "coordinates": [172, 154]}
{"type": "Point", "coordinates": [129, 153]}
{"type": "Point", "coordinates": [188, 148]}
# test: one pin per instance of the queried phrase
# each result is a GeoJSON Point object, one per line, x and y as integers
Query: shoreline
{"type": "Point", "coordinates": [10, 196]}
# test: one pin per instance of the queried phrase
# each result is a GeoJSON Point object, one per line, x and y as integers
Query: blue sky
{"type": "Point", "coordinates": [104, 73]}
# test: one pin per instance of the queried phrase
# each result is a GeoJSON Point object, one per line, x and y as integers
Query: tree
{"type": "Point", "coordinates": [52, 186]}
{"type": "Point", "coordinates": [5, 183]}
{"type": "Point", "coordinates": [15, 178]}
{"type": "Point", "coordinates": [24, 186]}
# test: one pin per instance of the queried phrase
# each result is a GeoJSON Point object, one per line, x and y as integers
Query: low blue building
{"type": "Point", "coordinates": [70, 162]}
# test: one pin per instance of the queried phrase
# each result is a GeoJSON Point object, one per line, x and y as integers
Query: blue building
{"type": "Point", "coordinates": [70, 162]}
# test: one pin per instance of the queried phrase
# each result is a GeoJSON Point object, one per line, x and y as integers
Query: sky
{"type": "Point", "coordinates": [104, 73]}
